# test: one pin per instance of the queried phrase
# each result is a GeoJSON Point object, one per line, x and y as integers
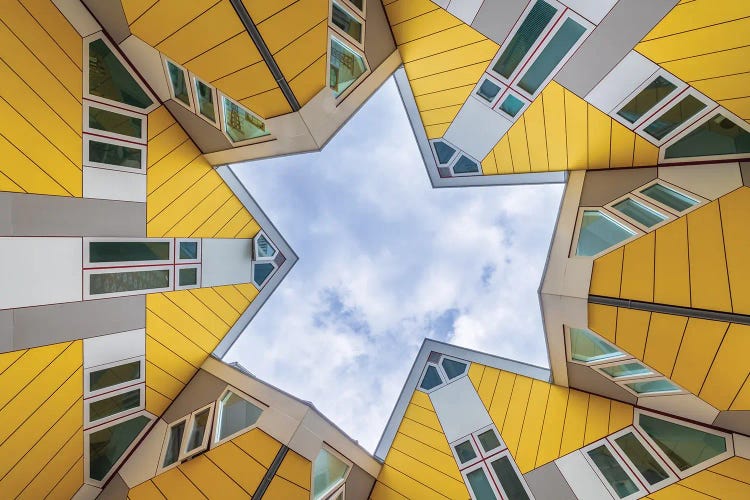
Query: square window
{"type": "Point", "coordinates": [188, 276]}
{"type": "Point", "coordinates": [489, 441]}
{"type": "Point", "coordinates": [488, 90]}
{"type": "Point", "coordinates": [511, 105]}
{"type": "Point", "coordinates": [188, 250]}
{"type": "Point", "coordinates": [465, 451]}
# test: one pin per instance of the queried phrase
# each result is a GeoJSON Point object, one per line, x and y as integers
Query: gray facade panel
{"type": "Point", "coordinates": [603, 186]}
{"type": "Point", "coordinates": [379, 43]}
{"type": "Point", "coordinates": [496, 18]}
{"type": "Point", "coordinates": [547, 482]}
{"type": "Point", "coordinates": [625, 25]}
{"type": "Point", "coordinates": [200, 391]}
{"type": "Point", "coordinates": [744, 170]}
{"type": "Point", "coordinates": [116, 489]}
{"type": "Point", "coordinates": [586, 379]}
{"type": "Point", "coordinates": [208, 138]}
{"type": "Point", "coordinates": [41, 215]}
{"type": "Point", "coordinates": [6, 330]}
{"type": "Point", "coordinates": [735, 420]}
{"type": "Point", "coordinates": [112, 18]}
{"type": "Point", "coordinates": [359, 484]}
{"type": "Point", "coordinates": [50, 324]}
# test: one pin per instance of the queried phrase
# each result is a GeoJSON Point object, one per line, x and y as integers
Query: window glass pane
{"type": "Point", "coordinates": [431, 378]}
{"type": "Point", "coordinates": [236, 414]}
{"type": "Point", "coordinates": [179, 83]}
{"type": "Point", "coordinates": [116, 123]}
{"type": "Point", "coordinates": [640, 212]}
{"type": "Point", "coordinates": [106, 446]}
{"type": "Point", "coordinates": [651, 386]}
{"type": "Point", "coordinates": [685, 446]}
{"type": "Point", "coordinates": [646, 464]}
{"type": "Point", "coordinates": [240, 124]}
{"type": "Point", "coordinates": [115, 404]}
{"type": "Point", "coordinates": [205, 100]}
{"type": "Point", "coordinates": [128, 251]}
{"type": "Point", "coordinates": [444, 152]}
{"type": "Point", "coordinates": [328, 470]}
{"type": "Point", "coordinates": [676, 116]}
{"type": "Point", "coordinates": [109, 79]}
{"type": "Point", "coordinates": [554, 52]}
{"type": "Point", "coordinates": [114, 154]}
{"type": "Point", "coordinates": [346, 67]}
{"type": "Point", "coordinates": [586, 347]}
{"type": "Point", "coordinates": [465, 452]}
{"type": "Point", "coordinates": [128, 281]}
{"type": "Point", "coordinates": [465, 166]}
{"type": "Point", "coordinates": [718, 136]}
{"type": "Point", "coordinates": [511, 105]}
{"type": "Point", "coordinates": [188, 276]}
{"type": "Point", "coordinates": [509, 479]}
{"type": "Point", "coordinates": [626, 370]}
{"type": "Point", "coordinates": [599, 232]}
{"type": "Point", "coordinates": [195, 439]}
{"type": "Point", "coordinates": [172, 453]}
{"type": "Point", "coordinates": [453, 368]}
{"type": "Point", "coordinates": [669, 197]}
{"type": "Point", "coordinates": [262, 272]}
{"type": "Point", "coordinates": [357, 3]}
{"type": "Point", "coordinates": [265, 249]}
{"type": "Point", "coordinates": [646, 99]}
{"type": "Point", "coordinates": [488, 90]}
{"type": "Point", "coordinates": [488, 440]}
{"type": "Point", "coordinates": [108, 377]}
{"type": "Point", "coordinates": [480, 485]}
{"type": "Point", "coordinates": [189, 250]}
{"type": "Point", "coordinates": [346, 22]}
{"type": "Point", "coordinates": [531, 28]}
{"type": "Point", "coordinates": [613, 472]}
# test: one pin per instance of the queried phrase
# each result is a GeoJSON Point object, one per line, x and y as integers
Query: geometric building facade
{"type": "Point", "coordinates": [133, 257]}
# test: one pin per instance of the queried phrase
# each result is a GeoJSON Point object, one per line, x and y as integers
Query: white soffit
{"type": "Point", "coordinates": [593, 10]}
{"type": "Point", "coordinates": [110, 348]}
{"type": "Point", "coordinates": [113, 185]}
{"type": "Point", "coordinates": [477, 129]}
{"type": "Point", "coordinates": [624, 78]}
{"type": "Point", "coordinates": [226, 261]}
{"type": "Point", "coordinates": [459, 409]}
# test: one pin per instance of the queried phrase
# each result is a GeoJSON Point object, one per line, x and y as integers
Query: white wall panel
{"type": "Point", "coordinates": [38, 271]}
{"type": "Point", "coordinates": [226, 261]}
{"type": "Point", "coordinates": [624, 78]}
{"type": "Point", "coordinates": [465, 10]}
{"type": "Point", "coordinates": [148, 61]}
{"type": "Point", "coordinates": [477, 129]}
{"type": "Point", "coordinates": [78, 16]}
{"type": "Point", "coordinates": [110, 348]}
{"type": "Point", "coordinates": [581, 477]}
{"type": "Point", "coordinates": [710, 181]}
{"type": "Point", "coordinates": [113, 185]}
{"type": "Point", "coordinates": [741, 445]}
{"type": "Point", "coordinates": [593, 10]}
{"type": "Point", "coordinates": [459, 409]}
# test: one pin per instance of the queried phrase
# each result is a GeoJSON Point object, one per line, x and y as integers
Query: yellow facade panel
{"type": "Point", "coordinates": [179, 345]}
{"type": "Point", "coordinates": [171, 202]}
{"type": "Point", "coordinates": [424, 434]}
{"type": "Point", "coordinates": [552, 429]}
{"type": "Point", "coordinates": [423, 416]}
{"type": "Point", "coordinates": [286, 26]}
{"type": "Point", "coordinates": [247, 290]}
{"type": "Point", "coordinates": [308, 83]}
{"type": "Point", "coordinates": [260, 11]}
{"type": "Point", "coordinates": [216, 221]}
{"type": "Point", "coordinates": [620, 416]}
{"type": "Point", "coordinates": [440, 115]}
{"type": "Point", "coordinates": [553, 97]}
{"type": "Point", "coordinates": [403, 10]}
{"type": "Point", "coordinates": [23, 371]}
{"type": "Point", "coordinates": [458, 77]}
{"type": "Point", "coordinates": [734, 208]}
{"type": "Point", "coordinates": [477, 52]}
{"type": "Point", "coordinates": [519, 398]}
{"type": "Point", "coordinates": [226, 58]}
{"type": "Point", "coordinates": [436, 131]}
{"type": "Point", "coordinates": [159, 120]}
{"type": "Point", "coordinates": [645, 154]}
{"type": "Point", "coordinates": [742, 401]}
{"type": "Point", "coordinates": [717, 64]}
{"type": "Point", "coordinates": [576, 120]}
{"type": "Point", "coordinates": [489, 165]}
{"type": "Point", "coordinates": [696, 14]}
{"type": "Point", "coordinates": [438, 42]}
{"type": "Point", "coordinates": [281, 488]}
{"type": "Point", "coordinates": [632, 331]}
{"type": "Point", "coordinates": [7, 185]}
{"type": "Point", "coordinates": [678, 492]}
{"type": "Point", "coordinates": [210, 479]}
{"type": "Point", "coordinates": [700, 343]}
{"type": "Point", "coordinates": [166, 17]}
{"type": "Point", "coordinates": [175, 484]}
{"type": "Point", "coordinates": [53, 22]}
{"type": "Point", "coordinates": [740, 107]}
{"type": "Point", "coordinates": [729, 369]}
{"type": "Point", "coordinates": [519, 148]}
{"type": "Point", "coordinates": [259, 445]}
{"type": "Point", "coordinates": [735, 468]}
{"type": "Point", "coordinates": [70, 483]}
{"type": "Point", "coordinates": [603, 320]}
{"type": "Point", "coordinates": [528, 444]}
{"type": "Point", "coordinates": [162, 382]}
{"type": "Point", "coordinates": [162, 356]}
{"type": "Point", "coordinates": [439, 483]}
{"type": "Point", "coordinates": [268, 104]}
{"type": "Point", "coordinates": [606, 274]}
{"type": "Point", "coordinates": [419, 398]}
{"type": "Point", "coordinates": [251, 80]}
{"type": "Point", "coordinates": [638, 269]}
{"type": "Point", "coordinates": [709, 283]}
{"type": "Point", "coordinates": [597, 419]}
{"type": "Point", "coordinates": [156, 403]}
{"type": "Point", "coordinates": [671, 264]}
{"type": "Point", "coordinates": [238, 465]}
{"type": "Point", "coordinates": [575, 422]}
{"type": "Point", "coordinates": [226, 301]}
{"type": "Point", "coordinates": [303, 52]}
{"type": "Point", "coordinates": [439, 460]}
{"type": "Point", "coordinates": [622, 146]}
{"type": "Point", "coordinates": [145, 491]}
{"type": "Point", "coordinates": [201, 211]}
{"type": "Point", "coordinates": [718, 485]}
{"type": "Point", "coordinates": [726, 87]}
{"type": "Point", "coordinates": [168, 153]}
{"type": "Point", "coordinates": [55, 469]}
{"type": "Point", "coordinates": [133, 9]}
{"type": "Point", "coordinates": [486, 389]}
{"type": "Point", "coordinates": [599, 139]}
{"type": "Point", "coordinates": [533, 119]}
{"type": "Point", "coordinates": [404, 485]}
{"type": "Point", "coordinates": [449, 97]}
{"type": "Point", "coordinates": [382, 492]}
{"type": "Point", "coordinates": [182, 321]}
{"type": "Point", "coordinates": [665, 333]}
{"type": "Point", "coordinates": [503, 159]}
{"type": "Point", "coordinates": [437, 20]}
{"type": "Point", "coordinates": [498, 410]}
{"type": "Point", "coordinates": [249, 230]}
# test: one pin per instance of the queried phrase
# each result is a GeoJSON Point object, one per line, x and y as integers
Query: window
{"type": "Point", "coordinates": [188, 250]}
{"type": "Point", "coordinates": [599, 232]}
{"type": "Point", "coordinates": [187, 277]}
{"type": "Point", "coordinates": [346, 66]}
{"type": "Point", "coordinates": [206, 102]}
{"type": "Point", "coordinates": [197, 437]}
{"type": "Point", "coordinates": [647, 98]}
{"type": "Point", "coordinates": [431, 378]}
{"type": "Point", "coordinates": [266, 259]}
{"type": "Point", "coordinates": [187, 437]}
{"type": "Point", "coordinates": [613, 470]}
{"type": "Point", "coordinates": [113, 404]}
{"type": "Point", "coordinates": [114, 155]}
{"type": "Point", "coordinates": [263, 247]}
{"type": "Point", "coordinates": [646, 464]}
{"type": "Point", "coordinates": [587, 347]}
{"type": "Point", "coordinates": [329, 471]}
{"type": "Point", "coordinates": [488, 90]}
{"type": "Point", "coordinates": [465, 165]}
{"type": "Point", "coordinates": [262, 272]}
{"type": "Point", "coordinates": [348, 24]}
{"type": "Point", "coordinates": [120, 124]}
{"type": "Point", "coordinates": [174, 443]}
{"type": "Point", "coordinates": [453, 368]}
{"type": "Point", "coordinates": [652, 387]}
{"type": "Point", "coordinates": [240, 124]}
{"type": "Point", "coordinates": [669, 197]}
{"type": "Point", "coordinates": [133, 251]}
{"type": "Point", "coordinates": [107, 447]}
{"type": "Point", "coordinates": [677, 114]}
{"type": "Point", "coordinates": [114, 376]}
{"type": "Point", "coordinates": [109, 79]}
{"type": "Point", "coordinates": [639, 212]}
{"type": "Point", "coordinates": [440, 370]}
{"type": "Point", "coordinates": [627, 369]}
{"type": "Point", "coordinates": [443, 152]}
{"type": "Point", "coordinates": [178, 84]}
{"type": "Point", "coordinates": [236, 414]}
{"type": "Point", "coordinates": [509, 479]}
{"type": "Point", "coordinates": [720, 135]}
{"type": "Point", "coordinates": [480, 485]}
{"type": "Point", "coordinates": [465, 451]}
{"type": "Point", "coordinates": [511, 105]}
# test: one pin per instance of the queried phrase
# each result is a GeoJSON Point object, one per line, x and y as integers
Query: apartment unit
{"type": "Point", "coordinates": [133, 257]}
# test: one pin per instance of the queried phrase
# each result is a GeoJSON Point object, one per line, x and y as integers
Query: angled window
{"type": "Point", "coordinates": [107, 447]}
{"type": "Point", "coordinates": [206, 102]}
{"type": "Point", "coordinates": [329, 471]}
{"type": "Point", "coordinates": [511, 105]}
{"type": "Point", "coordinates": [613, 471]}
{"type": "Point", "coordinates": [453, 368]}
{"type": "Point", "coordinates": [431, 378]}
{"type": "Point", "coordinates": [109, 283]}
{"type": "Point", "coordinates": [173, 444]}
{"type": "Point", "coordinates": [236, 414]}
{"type": "Point", "coordinates": [113, 154]}
{"type": "Point", "coordinates": [669, 197]}
{"type": "Point", "coordinates": [509, 479]}
{"type": "Point", "coordinates": [345, 67]}
{"type": "Point", "coordinates": [598, 232]}
{"type": "Point", "coordinates": [652, 387]}
{"type": "Point", "coordinates": [639, 212]}
{"type": "Point", "coordinates": [628, 369]}
{"type": "Point", "coordinates": [187, 277]}
{"type": "Point", "coordinates": [348, 24]}
{"type": "Point", "coordinates": [240, 124]}
{"type": "Point", "coordinates": [264, 249]}
{"type": "Point", "coordinates": [717, 136]}
{"type": "Point", "coordinates": [677, 115]}
{"type": "Point", "coordinates": [443, 152]}
{"type": "Point", "coordinates": [464, 452]}
{"type": "Point", "coordinates": [651, 95]}
{"type": "Point", "coordinates": [113, 404]}
{"type": "Point", "coordinates": [649, 468]}
{"type": "Point", "coordinates": [489, 440]}
{"type": "Point", "coordinates": [480, 485]}
{"type": "Point", "coordinates": [197, 438]}
{"type": "Point", "coordinates": [262, 271]}
{"type": "Point", "coordinates": [465, 166]}
{"type": "Point", "coordinates": [488, 90]}
{"type": "Point", "coordinates": [114, 376]}
{"type": "Point", "coordinates": [133, 252]}
{"type": "Point", "coordinates": [589, 348]}
{"type": "Point", "coordinates": [109, 79]}
{"type": "Point", "coordinates": [120, 124]}
{"type": "Point", "coordinates": [357, 4]}
{"type": "Point", "coordinates": [178, 84]}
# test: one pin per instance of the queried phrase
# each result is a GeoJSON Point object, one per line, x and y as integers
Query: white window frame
{"type": "Point", "coordinates": [194, 79]}
{"type": "Point", "coordinates": [88, 272]}
{"type": "Point", "coordinates": [270, 275]}
{"type": "Point", "coordinates": [87, 422]}
{"type": "Point", "coordinates": [623, 357]}
{"type": "Point", "coordinates": [490, 478]}
{"type": "Point", "coordinates": [341, 490]}
{"type": "Point", "coordinates": [496, 478]}
{"type": "Point", "coordinates": [125, 454]}
{"type": "Point", "coordinates": [649, 378]}
{"type": "Point", "coordinates": [88, 162]}
{"type": "Point", "coordinates": [494, 451]}
{"type": "Point", "coordinates": [334, 487]}
{"type": "Point", "coordinates": [361, 13]}
{"type": "Point", "coordinates": [474, 445]}
{"type": "Point", "coordinates": [642, 491]}
{"type": "Point", "coordinates": [514, 93]}
{"type": "Point", "coordinates": [681, 86]}
{"type": "Point", "coordinates": [615, 219]}
{"type": "Point", "coordinates": [710, 107]}
{"type": "Point", "coordinates": [184, 452]}
{"type": "Point", "coordinates": [255, 248]}
{"type": "Point", "coordinates": [468, 174]}
{"type": "Point", "coordinates": [87, 264]}
{"type": "Point", "coordinates": [696, 468]}
{"type": "Point", "coordinates": [222, 125]}
{"type": "Point", "coordinates": [495, 81]}
{"type": "Point", "coordinates": [424, 372]}
{"type": "Point", "coordinates": [443, 372]}
{"type": "Point", "coordinates": [718, 110]}
{"type": "Point", "coordinates": [669, 216]}
{"type": "Point", "coordinates": [650, 487]}
{"type": "Point", "coordinates": [161, 468]}
{"type": "Point", "coordinates": [176, 250]}
{"type": "Point", "coordinates": [331, 35]}
{"type": "Point", "coordinates": [627, 378]}
{"type": "Point", "coordinates": [352, 12]}
{"type": "Point", "coordinates": [456, 152]}
{"type": "Point", "coordinates": [172, 93]}
{"type": "Point", "coordinates": [217, 419]}
{"type": "Point", "coordinates": [100, 36]}
{"type": "Point", "coordinates": [143, 139]}
{"type": "Point", "coordinates": [87, 372]}
{"type": "Point", "coordinates": [700, 200]}
{"type": "Point", "coordinates": [177, 268]}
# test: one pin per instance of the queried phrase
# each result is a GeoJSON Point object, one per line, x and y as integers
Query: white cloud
{"type": "Point", "coordinates": [386, 260]}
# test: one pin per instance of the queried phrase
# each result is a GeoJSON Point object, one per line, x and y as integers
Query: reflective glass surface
{"type": "Point", "coordinates": [261, 272]}
{"type": "Point", "coordinates": [121, 402]}
{"type": "Point", "coordinates": [511, 105]}
{"type": "Point", "coordinates": [179, 83]}
{"type": "Point", "coordinates": [114, 154]}
{"type": "Point", "coordinates": [172, 453]}
{"type": "Point", "coordinates": [328, 470]}
{"type": "Point", "coordinates": [528, 33]}
{"type": "Point", "coordinates": [646, 464]}
{"type": "Point", "coordinates": [639, 212]}
{"type": "Point", "coordinates": [198, 431]}
{"type": "Point", "coordinates": [205, 96]}
{"type": "Point", "coordinates": [465, 166]}
{"type": "Point", "coordinates": [453, 368]}
{"type": "Point", "coordinates": [669, 197]}
{"type": "Point", "coordinates": [265, 249]}
{"type": "Point", "coordinates": [106, 446]}
{"type": "Point", "coordinates": [646, 99]}
{"type": "Point", "coordinates": [236, 414]}
{"type": "Point", "coordinates": [187, 276]}
{"type": "Point", "coordinates": [488, 90]}
{"type": "Point", "coordinates": [431, 378]}
{"type": "Point", "coordinates": [109, 79]}
{"type": "Point", "coordinates": [128, 281]}
{"type": "Point", "coordinates": [240, 124]}
{"type": "Point", "coordinates": [116, 123]}
{"type": "Point", "coordinates": [345, 68]}
{"type": "Point", "coordinates": [685, 446]}
{"type": "Point", "coordinates": [346, 22]}
{"type": "Point", "coordinates": [652, 386]}
{"type": "Point", "coordinates": [613, 471]}
{"type": "Point", "coordinates": [718, 136]}
{"type": "Point", "coordinates": [599, 232]}
{"type": "Point", "coordinates": [587, 347]}
{"type": "Point", "coordinates": [626, 370]}
{"type": "Point", "coordinates": [488, 440]}
{"type": "Point", "coordinates": [674, 117]}
{"type": "Point", "coordinates": [128, 251]}
{"type": "Point", "coordinates": [115, 375]}
{"type": "Point", "coordinates": [465, 452]}
{"type": "Point", "coordinates": [509, 480]}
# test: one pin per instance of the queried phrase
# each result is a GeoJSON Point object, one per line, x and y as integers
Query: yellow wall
{"type": "Point", "coordinates": [705, 44]}
{"type": "Point", "coordinates": [182, 329]}
{"type": "Point", "coordinates": [727, 480]}
{"type": "Point", "coordinates": [707, 358]}
{"type": "Point", "coordinates": [231, 470]}
{"type": "Point", "coordinates": [443, 58]}
{"type": "Point", "coordinates": [185, 195]}
{"type": "Point", "coordinates": [561, 131]}
{"type": "Point", "coordinates": [292, 479]}
{"type": "Point", "coordinates": [41, 407]}
{"type": "Point", "coordinates": [40, 100]}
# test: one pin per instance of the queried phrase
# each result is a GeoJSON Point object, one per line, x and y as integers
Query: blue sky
{"type": "Point", "coordinates": [385, 261]}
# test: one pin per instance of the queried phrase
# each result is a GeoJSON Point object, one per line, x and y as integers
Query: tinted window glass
{"type": "Point", "coordinates": [265, 249]}
{"type": "Point", "coordinates": [599, 232]}
{"type": "Point", "coordinates": [488, 440]}
{"type": "Point", "coordinates": [531, 28]}
{"type": "Point", "coordinates": [480, 485]}
{"type": "Point", "coordinates": [189, 250]}
{"type": "Point", "coordinates": [114, 154]}
{"type": "Point", "coordinates": [685, 446]}
{"type": "Point", "coordinates": [261, 272]}
{"type": "Point", "coordinates": [453, 368]}
{"type": "Point", "coordinates": [587, 347]}
{"type": "Point", "coordinates": [511, 105]}
{"type": "Point", "coordinates": [646, 464]}
{"type": "Point", "coordinates": [431, 379]}
{"type": "Point", "coordinates": [116, 123]}
{"type": "Point", "coordinates": [174, 445]}
{"type": "Point", "coordinates": [626, 370]}
{"type": "Point", "coordinates": [509, 479]}
{"type": "Point", "coordinates": [115, 404]}
{"type": "Point", "coordinates": [669, 197]}
{"type": "Point", "coordinates": [646, 99]}
{"type": "Point", "coordinates": [108, 377]}
{"type": "Point", "coordinates": [179, 83]}
{"type": "Point", "coordinates": [613, 472]}
{"type": "Point", "coordinates": [128, 281]}
{"type": "Point", "coordinates": [346, 22]}
{"type": "Point", "coordinates": [109, 79]}
{"type": "Point", "coordinates": [488, 90]}
{"type": "Point", "coordinates": [345, 68]}
{"type": "Point", "coordinates": [128, 251]}
{"type": "Point", "coordinates": [198, 431]}
{"type": "Point", "coordinates": [106, 446]}
{"type": "Point", "coordinates": [240, 124]}
{"type": "Point", "coordinates": [676, 116]}
{"type": "Point", "coordinates": [465, 166]}
{"type": "Point", "coordinates": [652, 386]}
{"type": "Point", "coordinates": [444, 152]}
{"type": "Point", "coordinates": [187, 276]}
{"type": "Point", "coordinates": [205, 100]}
{"type": "Point", "coordinates": [640, 212]}
{"type": "Point", "coordinates": [465, 452]}
{"type": "Point", "coordinates": [328, 470]}
{"type": "Point", "coordinates": [236, 414]}
{"type": "Point", "coordinates": [716, 137]}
